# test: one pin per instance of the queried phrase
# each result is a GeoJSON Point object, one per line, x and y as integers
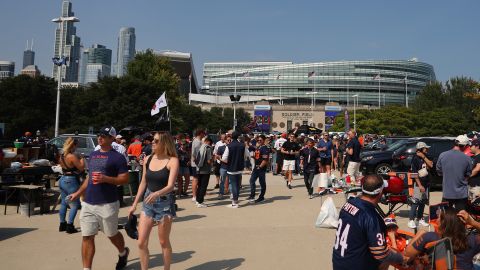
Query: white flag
{"type": "Point", "coordinates": [160, 103]}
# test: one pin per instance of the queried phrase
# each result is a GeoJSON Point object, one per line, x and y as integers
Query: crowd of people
{"type": "Point", "coordinates": [170, 166]}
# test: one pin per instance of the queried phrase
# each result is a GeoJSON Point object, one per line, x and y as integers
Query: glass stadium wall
{"type": "Point", "coordinates": [333, 81]}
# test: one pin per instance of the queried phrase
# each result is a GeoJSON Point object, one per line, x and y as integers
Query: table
{"type": "Point", "coordinates": [29, 189]}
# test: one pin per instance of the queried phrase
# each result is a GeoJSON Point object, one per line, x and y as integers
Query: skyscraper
{"type": "Point", "coordinates": [67, 44]}
{"type": "Point", "coordinates": [28, 56]}
{"type": "Point", "coordinates": [125, 50]}
{"type": "Point", "coordinates": [96, 62]}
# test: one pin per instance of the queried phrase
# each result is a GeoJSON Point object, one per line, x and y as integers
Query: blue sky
{"type": "Point", "coordinates": [442, 33]}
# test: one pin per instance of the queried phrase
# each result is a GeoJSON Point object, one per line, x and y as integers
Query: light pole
{"type": "Point", "coordinates": [313, 102]}
{"type": "Point", "coordinates": [60, 20]}
{"type": "Point", "coordinates": [355, 102]}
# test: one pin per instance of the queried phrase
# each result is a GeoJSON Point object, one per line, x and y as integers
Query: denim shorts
{"type": "Point", "coordinates": [161, 207]}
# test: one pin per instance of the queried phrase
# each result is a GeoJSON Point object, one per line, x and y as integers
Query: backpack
{"type": "Point", "coordinates": [51, 152]}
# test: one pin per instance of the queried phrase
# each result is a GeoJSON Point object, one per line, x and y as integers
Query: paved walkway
{"type": "Point", "coordinates": [277, 234]}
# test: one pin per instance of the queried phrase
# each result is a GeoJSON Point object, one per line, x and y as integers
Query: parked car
{"type": "Point", "coordinates": [382, 143]}
{"type": "Point", "coordinates": [380, 161]}
{"type": "Point", "coordinates": [86, 143]}
{"type": "Point", "coordinates": [402, 158]}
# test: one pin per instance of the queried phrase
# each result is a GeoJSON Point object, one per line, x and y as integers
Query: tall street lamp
{"type": "Point", "coordinates": [60, 20]}
{"type": "Point", "coordinates": [355, 103]}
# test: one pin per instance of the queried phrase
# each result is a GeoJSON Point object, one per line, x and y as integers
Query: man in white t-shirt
{"type": "Point", "coordinates": [279, 157]}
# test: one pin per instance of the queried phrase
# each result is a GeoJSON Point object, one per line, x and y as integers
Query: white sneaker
{"type": "Point", "coordinates": [251, 200]}
{"type": "Point", "coordinates": [202, 205]}
{"type": "Point", "coordinates": [423, 223]}
{"type": "Point", "coordinates": [232, 205]}
{"type": "Point", "coordinates": [411, 224]}
{"type": "Point", "coordinates": [194, 199]}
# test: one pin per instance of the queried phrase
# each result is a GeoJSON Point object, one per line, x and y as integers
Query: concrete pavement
{"type": "Point", "coordinates": [276, 234]}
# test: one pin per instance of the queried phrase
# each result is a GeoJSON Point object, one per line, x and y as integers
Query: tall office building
{"type": "Point", "coordinates": [67, 44]}
{"type": "Point", "coordinates": [7, 69]}
{"type": "Point", "coordinates": [28, 56]}
{"type": "Point", "coordinates": [125, 50]}
{"type": "Point", "coordinates": [96, 62]}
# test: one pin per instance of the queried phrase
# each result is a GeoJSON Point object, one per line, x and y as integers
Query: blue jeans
{"type": "Point", "coordinates": [260, 174]}
{"type": "Point", "coordinates": [235, 180]}
{"type": "Point", "coordinates": [223, 178]}
{"type": "Point", "coordinates": [68, 185]}
{"type": "Point", "coordinates": [273, 162]}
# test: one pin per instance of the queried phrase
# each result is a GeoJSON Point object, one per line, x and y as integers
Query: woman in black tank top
{"type": "Point", "coordinates": [158, 180]}
{"type": "Point", "coordinates": [69, 183]}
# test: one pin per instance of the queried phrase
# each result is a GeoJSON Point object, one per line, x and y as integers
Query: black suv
{"type": "Point", "coordinates": [402, 158]}
{"type": "Point", "coordinates": [380, 161]}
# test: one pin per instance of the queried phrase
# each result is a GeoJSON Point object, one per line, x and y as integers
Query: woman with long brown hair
{"type": "Point", "coordinates": [72, 167]}
{"type": "Point", "coordinates": [465, 246]}
{"type": "Point", "coordinates": [159, 174]}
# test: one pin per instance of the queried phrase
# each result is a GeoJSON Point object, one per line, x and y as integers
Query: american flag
{"type": "Point", "coordinates": [59, 61]}
{"type": "Point", "coordinates": [311, 73]}
{"type": "Point", "coordinates": [377, 77]}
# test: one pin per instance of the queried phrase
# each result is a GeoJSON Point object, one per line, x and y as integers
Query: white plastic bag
{"type": "Point", "coordinates": [328, 216]}
{"type": "Point", "coordinates": [323, 180]}
{"type": "Point", "coordinates": [316, 180]}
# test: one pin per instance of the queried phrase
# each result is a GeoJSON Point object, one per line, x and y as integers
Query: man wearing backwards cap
{"type": "Point", "coordinates": [455, 167]}
{"type": "Point", "coordinates": [360, 238]}
{"type": "Point", "coordinates": [420, 163]}
{"type": "Point", "coordinates": [100, 208]}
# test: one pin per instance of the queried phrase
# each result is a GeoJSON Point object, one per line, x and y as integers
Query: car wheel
{"type": "Point", "coordinates": [383, 168]}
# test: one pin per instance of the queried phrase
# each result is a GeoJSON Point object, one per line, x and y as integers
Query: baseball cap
{"type": "Point", "coordinates": [462, 140]}
{"type": "Point", "coordinates": [421, 145]}
{"type": "Point", "coordinates": [131, 227]}
{"type": "Point", "coordinates": [390, 222]}
{"type": "Point", "coordinates": [476, 142]}
{"type": "Point", "coordinates": [284, 135]}
{"type": "Point", "coordinates": [108, 131]}
{"type": "Point", "coordinates": [118, 136]}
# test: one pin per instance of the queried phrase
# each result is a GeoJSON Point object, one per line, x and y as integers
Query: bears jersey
{"type": "Point", "coordinates": [360, 238]}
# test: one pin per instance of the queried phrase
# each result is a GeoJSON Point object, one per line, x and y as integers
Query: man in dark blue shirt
{"type": "Point", "coordinates": [360, 238]}
{"type": "Point", "coordinates": [261, 156]}
{"type": "Point", "coordinates": [100, 208]}
{"type": "Point", "coordinates": [353, 153]}
{"type": "Point", "coordinates": [310, 163]}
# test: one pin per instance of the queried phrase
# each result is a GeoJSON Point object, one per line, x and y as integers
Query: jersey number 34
{"type": "Point", "coordinates": [342, 236]}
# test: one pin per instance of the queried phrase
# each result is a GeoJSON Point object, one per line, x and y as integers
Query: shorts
{"type": "Point", "coordinates": [183, 170]}
{"type": "Point", "coordinates": [216, 168]}
{"type": "Point", "coordinates": [160, 208]}
{"type": "Point", "coordinates": [353, 169]}
{"type": "Point", "coordinates": [103, 217]}
{"type": "Point", "coordinates": [193, 171]}
{"type": "Point", "coordinates": [288, 165]}
{"type": "Point", "coordinates": [326, 161]}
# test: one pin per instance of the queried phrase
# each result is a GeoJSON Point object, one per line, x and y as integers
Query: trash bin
{"type": "Point", "coordinates": [133, 182]}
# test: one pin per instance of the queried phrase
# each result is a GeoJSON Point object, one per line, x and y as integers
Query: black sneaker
{"type": "Point", "coordinates": [289, 186]}
{"type": "Point", "coordinates": [62, 227]}
{"type": "Point", "coordinates": [122, 260]}
{"type": "Point", "coordinates": [323, 192]}
{"type": "Point", "coordinates": [71, 229]}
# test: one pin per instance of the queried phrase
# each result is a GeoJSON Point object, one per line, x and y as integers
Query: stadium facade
{"type": "Point", "coordinates": [374, 81]}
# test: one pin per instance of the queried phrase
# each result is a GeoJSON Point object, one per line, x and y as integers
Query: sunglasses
{"type": "Point", "coordinates": [155, 141]}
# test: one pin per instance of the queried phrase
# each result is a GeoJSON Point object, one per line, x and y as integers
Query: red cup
{"type": "Point", "coordinates": [95, 176]}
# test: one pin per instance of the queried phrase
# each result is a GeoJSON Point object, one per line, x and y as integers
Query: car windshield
{"type": "Point", "coordinates": [396, 145]}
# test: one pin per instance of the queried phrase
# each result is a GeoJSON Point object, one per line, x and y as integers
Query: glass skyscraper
{"type": "Point", "coordinates": [125, 50]}
{"type": "Point", "coordinates": [375, 81]}
{"type": "Point", "coordinates": [67, 41]}
{"type": "Point", "coordinates": [7, 69]}
{"type": "Point", "coordinates": [95, 63]}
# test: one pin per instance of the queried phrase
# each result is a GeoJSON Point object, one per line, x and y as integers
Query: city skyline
{"type": "Point", "coordinates": [436, 32]}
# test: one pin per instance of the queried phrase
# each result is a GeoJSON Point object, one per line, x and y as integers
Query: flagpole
{"type": "Point", "coordinates": [406, 92]}
{"type": "Point", "coordinates": [190, 88]}
{"type": "Point", "coordinates": [348, 86]}
{"type": "Point", "coordinates": [379, 98]}
{"type": "Point", "coordinates": [234, 104]}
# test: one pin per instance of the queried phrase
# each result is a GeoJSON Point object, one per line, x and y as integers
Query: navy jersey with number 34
{"type": "Point", "coordinates": [360, 237]}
